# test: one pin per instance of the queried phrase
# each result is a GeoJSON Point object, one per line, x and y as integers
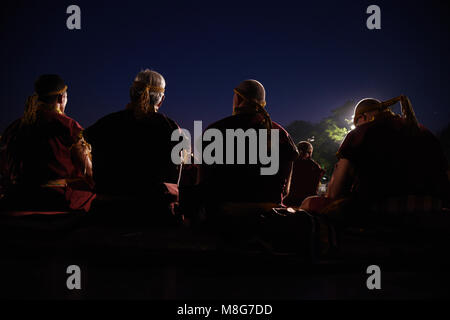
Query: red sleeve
{"type": "Point", "coordinates": [72, 131]}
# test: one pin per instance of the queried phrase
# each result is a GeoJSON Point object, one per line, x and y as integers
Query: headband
{"type": "Point", "coordinates": [54, 93]}
{"type": "Point", "coordinates": [155, 89]}
{"type": "Point", "coordinates": [240, 94]}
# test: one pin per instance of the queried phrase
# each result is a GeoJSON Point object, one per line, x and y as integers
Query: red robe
{"type": "Point", "coordinates": [389, 161]}
{"type": "Point", "coordinates": [305, 181]}
{"type": "Point", "coordinates": [33, 155]}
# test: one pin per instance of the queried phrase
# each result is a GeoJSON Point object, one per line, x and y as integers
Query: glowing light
{"type": "Point", "coordinates": [291, 210]}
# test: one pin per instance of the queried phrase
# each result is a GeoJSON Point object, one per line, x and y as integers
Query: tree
{"type": "Point", "coordinates": [325, 136]}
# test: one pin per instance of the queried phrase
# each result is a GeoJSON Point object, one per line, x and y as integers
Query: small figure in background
{"type": "Point", "coordinates": [305, 176]}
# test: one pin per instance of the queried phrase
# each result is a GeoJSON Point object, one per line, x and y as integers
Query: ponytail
{"type": "Point", "coordinates": [31, 107]}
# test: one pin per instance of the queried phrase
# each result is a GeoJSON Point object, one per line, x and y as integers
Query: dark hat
{"type": "Point", "coordinates": [49, 85]}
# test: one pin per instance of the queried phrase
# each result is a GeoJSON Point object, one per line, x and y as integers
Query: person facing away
{"type": "Point", "coordinates": [131, 148]}
{"type": "Point", "coordinates": [387, 157]}
{"type": "Point", "coordinates": [44, 161]}
{"type": "Point", "coordinates": [244, 182]}
{"type": "Point", "coordinates": [305, 176]}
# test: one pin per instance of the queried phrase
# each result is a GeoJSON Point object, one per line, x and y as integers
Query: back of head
{"type": "Point", "coordinates": [305, 148]}
{"type": "Point", "coordinates": [147, 92]}
{"type": "Point", "coordinates": [250, 97]}
{"type": "Point", "coordinates": [252, 91]}
{"type": "Point", "coordinates": [364, 106]}
{"type": "Point", "coordinates": [48, 87]}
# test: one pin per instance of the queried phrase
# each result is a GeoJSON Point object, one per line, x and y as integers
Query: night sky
{"type": "Point", "coordinates": [311, 57]}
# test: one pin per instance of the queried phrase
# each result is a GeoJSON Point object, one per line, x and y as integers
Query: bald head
{"type": "Point", "coordinates": [249, 91]}
{"type": "Point", "coordinates": [365, 109]}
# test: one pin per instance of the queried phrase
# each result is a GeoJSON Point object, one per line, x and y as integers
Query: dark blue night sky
{"type": "Point", "coordinates": [311, 56]}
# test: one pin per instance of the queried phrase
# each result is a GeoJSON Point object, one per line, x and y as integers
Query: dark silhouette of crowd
{"type": "Point", "coordinates": [122, 166]}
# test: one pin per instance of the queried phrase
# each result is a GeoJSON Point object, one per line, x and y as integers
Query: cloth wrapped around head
{"type": "Point", "coordinates": [254, 96]}
{"type": "Point", "coordinates": [252, 92]}
{"type": "Point", "coordinates": [146, 93]}
{"type": "Point", "coordinates": [371, 104]}
{"type": "Point", "coordinates": [46, 88]}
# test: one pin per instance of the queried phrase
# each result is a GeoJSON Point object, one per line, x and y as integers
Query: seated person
{"type": "Point", "coordinates": [131, 148]}
{"type": "Point", "coordinates": [189, 174]}
{"type": "Point", "coordinates": [387, 163]}
{"type": "Point", "coordinates": [244, 183]}
{"type": "Point", "coordinates": [305, 176]}
{"type": "Point", "coordinates": [44, 161]}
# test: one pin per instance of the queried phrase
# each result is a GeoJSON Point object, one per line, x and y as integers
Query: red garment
{"type": "Point", "coordinates": [390, 161]}
{"type": "Point", "coordinates": [305, 181]}
{"type": "Point", "coordinates": [35, 154]}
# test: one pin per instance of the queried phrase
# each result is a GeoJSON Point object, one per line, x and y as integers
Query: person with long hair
{"type": "Point", "coordinates": [131, 152]}
{"type": "Point", "coordinates": [45, 162]}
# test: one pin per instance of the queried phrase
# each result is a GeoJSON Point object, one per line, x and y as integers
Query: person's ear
{"type": "Point", "coordinates": [60, 98]}
{"type": "Point", "coordinates": [160, 103]}
{"type": "Point", "coordinates": [237, 100]}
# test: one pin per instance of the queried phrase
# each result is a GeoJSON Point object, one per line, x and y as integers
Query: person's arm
{"type": "Point", "coordinates": [342, 179]}
{"type": "Point", "coordinates": [288, 154]}
{"type": "Point", "coordinates": [82, 159]}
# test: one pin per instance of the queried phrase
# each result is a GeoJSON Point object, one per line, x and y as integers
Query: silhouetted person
{"type": "Point", "coordinates": [189, 175]}
{"type": "Point", "coordinates": [131, 150]}
{"type": "Point", "coordinates": [387, 163]}
{"type": "Point", "coordinates": [305, 176]}
{"type": "Point", "coordinates": [45, 162]}
{"type": "Point", "coordinates": [244, 182]}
